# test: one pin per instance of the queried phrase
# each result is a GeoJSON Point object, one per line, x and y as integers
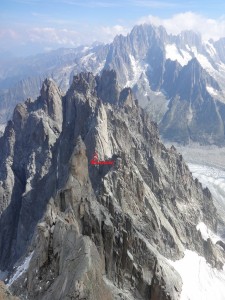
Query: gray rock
{"type": "Point", "coordinates": [96, 231]}
{"type": "Point", "coordinates": [5, 294]}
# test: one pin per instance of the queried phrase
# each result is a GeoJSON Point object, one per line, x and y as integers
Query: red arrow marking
{"type": "Point", "coordinates": [104, 162]}
{"type": "Point", "coordinates": [95, 161]}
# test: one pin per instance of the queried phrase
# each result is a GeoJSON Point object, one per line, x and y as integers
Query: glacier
{"type": "Point", "coordinates": [200, 280]}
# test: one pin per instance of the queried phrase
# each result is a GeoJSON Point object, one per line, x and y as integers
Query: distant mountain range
{"type": "Point", "coordinates": [177, 79]}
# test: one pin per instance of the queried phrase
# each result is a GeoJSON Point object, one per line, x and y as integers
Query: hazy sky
{"type": "Point", "coordinates": [32, 26]}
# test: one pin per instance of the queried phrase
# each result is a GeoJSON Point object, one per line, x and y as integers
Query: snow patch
{"type": "Point", "coordinates": [190, 114]}
{"type": "Point", "coordinates": [85, 49]}
{"type": "Point", "coordinates": [21, 269]}
{"type": "Point", "coordinates": [181, 56]}
{"type": "Point", "coordinates": [130, 255]}
{"type": "Point", "coordinates": [204, 62]}
{"type": "Point", "coordinates": [187, 47]}
{"type": "Point", "coordinates": [207, 233]}
{"type": "Point", "coordinates": [2, 127]}
{"type": "Point", "coordinates": [212, 91]}
{"type": "Point", "coordinates": [210, 49]}
{"type": "Point", "coordinates": [85, 59]}
{"type": "Point", "coordinates": [137, 71]}
{"type": "Point", "coordinates": [100, 67]}
{"type": "Point", "coordinates": [200, 280]}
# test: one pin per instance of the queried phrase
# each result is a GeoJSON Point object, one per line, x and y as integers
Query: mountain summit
{"type": "Point", "coordinates": [178, 79]}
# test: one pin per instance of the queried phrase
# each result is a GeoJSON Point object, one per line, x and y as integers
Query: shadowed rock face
{"type": "Point", "coordinates": [96, 232]}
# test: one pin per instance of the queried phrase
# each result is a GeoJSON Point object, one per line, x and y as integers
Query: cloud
{"type": "Point", "coordinates": [52, 35]}
{"type": "Point", "coordinates": [9, 34]}
{"type": "Point", "coordinates": [37, 39]}
{"type": "Point", "coordinates": [69, 33]}
{"type": "Point", "coordinates": [67, 37]}
{"type": "Point", "coordinates": [107, 33]}
{"type": "Point", "coordinates": [208, 28]}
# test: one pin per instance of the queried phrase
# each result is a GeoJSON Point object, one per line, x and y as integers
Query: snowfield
{"type": "Point", "coordinates": [182, 56]}
{"type": "Point", "coordinates": [200, 280]}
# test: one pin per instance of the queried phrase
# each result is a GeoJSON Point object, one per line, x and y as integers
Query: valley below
{"type": "Point", "coordinates": [207, 164]}
{"type": "Point", "coordinates": [200, 281]}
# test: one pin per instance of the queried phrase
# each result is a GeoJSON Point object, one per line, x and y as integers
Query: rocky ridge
{"type": "Point", "coordinates": [170, 75]}
{"type": "Point", "coordinates": [72, 230]}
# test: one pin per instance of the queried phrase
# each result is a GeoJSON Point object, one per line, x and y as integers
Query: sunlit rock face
{"type": "Point", "coordinates": [75, 230]}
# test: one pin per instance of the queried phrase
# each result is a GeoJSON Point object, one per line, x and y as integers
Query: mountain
{"type": "Point", "coordinates": [22, 78]}
{"type": "Point", "coordinates": [178, 79]}
{"type": "Point", "coordinates": [70, 229]}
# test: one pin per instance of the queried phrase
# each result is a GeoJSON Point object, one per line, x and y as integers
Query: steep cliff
{"type": "Point", "coordinates": [73, 230]}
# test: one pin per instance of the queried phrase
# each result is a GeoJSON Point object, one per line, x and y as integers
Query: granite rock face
{"type": "Point", "coordinates": [177, 79]}
{"type": "Point", "coordinates": [82, 231]}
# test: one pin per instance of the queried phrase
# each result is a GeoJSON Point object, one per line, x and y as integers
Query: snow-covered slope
{"type": "Point", "coordinates": [200, 280]}
{"type": "Point", "coordinates": [173, 53]}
